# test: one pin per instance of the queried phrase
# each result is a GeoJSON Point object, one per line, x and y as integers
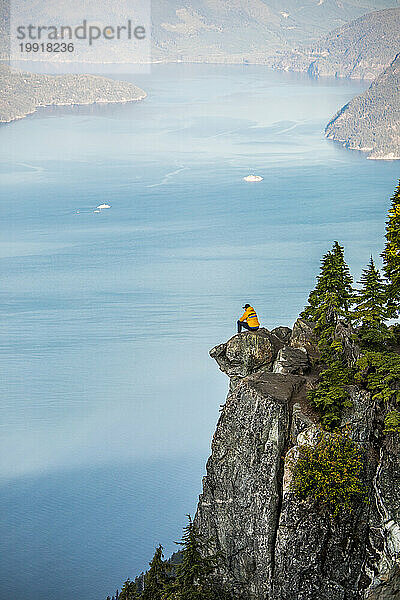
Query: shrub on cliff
{"type": "Point", "coordinates": [380, 373]}
{"type": "Point", "coordinates": [392, 422]}
{"type": "Point", "coordinates": [330, 473]}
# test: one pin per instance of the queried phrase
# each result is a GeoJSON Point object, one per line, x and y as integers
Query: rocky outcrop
{"type": "Point", "coordinates": [389, 588]}
{"type": "Point", "coordinates": [291, 360]}
{"type": "Point", "coordinates": [247, 353]}
{"type": "Point", "coordinates": [303, 337]}
{"type": "Point", "coordinates": [275, 546]}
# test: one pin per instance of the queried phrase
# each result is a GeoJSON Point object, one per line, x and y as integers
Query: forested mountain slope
{"type": "Point", "coordinates": [371, 121]}
{"type": "Point", "coordinates": [236, 30]}
{"type": "Point", "coordinates": [361, 49]}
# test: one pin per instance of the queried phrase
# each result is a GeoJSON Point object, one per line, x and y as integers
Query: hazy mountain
{"type": "Point", "coordinates": [230, 30]}
{"type": "Point", "coordinates": [360, 49]}
{"type": "Point", "coordinates": [236, 30]}
{"type": "Point", "coordinates": [371, 122]}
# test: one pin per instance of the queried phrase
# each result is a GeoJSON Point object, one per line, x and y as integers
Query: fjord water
{"type": "Point", "coordinates": [109, 396]}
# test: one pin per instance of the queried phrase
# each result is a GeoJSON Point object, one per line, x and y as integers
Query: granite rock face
{"type": "Point", "coordinates": [275, 546]}
{"type": "Point", "coordinates": [291, 360]}
{"type": "Point", "coordinates": [303, 337]}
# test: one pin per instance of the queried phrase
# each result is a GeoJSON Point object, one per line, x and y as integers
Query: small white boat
{"type": "Point", "coordinates": [97, 211]}
{"type": "Point", "coordinates": [101, 206]}
{"type": "Point", "coordinates": [253, 178]}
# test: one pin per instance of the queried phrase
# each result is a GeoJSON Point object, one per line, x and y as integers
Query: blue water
{"type": "Point", "coordinates": [109, 396]}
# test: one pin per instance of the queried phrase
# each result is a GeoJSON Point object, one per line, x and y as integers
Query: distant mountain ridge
{"type": "Point", "coordinates": [232, 31]}
{"type": "Point", "coordinates": [371, 121]}
{"type": "Point", "coordinates": [251, 30]}
{"type": "Point", "coordinates": [361, 49]}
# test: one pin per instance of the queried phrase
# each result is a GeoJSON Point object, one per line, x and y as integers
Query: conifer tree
{"type": "Point", "coordinates": [129, 591]}
{"type": "Point", "coordinates": [192, 581]}
{"type": "Point", "coordinates": [331, 299]}
{"type": "Point", "coordinates": [333, 295]}
{"type": "Point", "coordinates": [391, 254]}
{"type": "Point", "coordinates": [156, 577]}
{"type": "Point", "coordinates": [371, 308]}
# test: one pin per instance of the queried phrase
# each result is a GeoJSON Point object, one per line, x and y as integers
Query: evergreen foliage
{"type": "Point", "coordinates": [391, 254]}
{"type": "Point", "coordinates": [378, 369]}
{"type": "Point", "coordinates": [371, 309]}
{"type": "Point", "coordinates": [333, 294]}
{"type": "Point", "coordinates": [189, 579]}
{"type": "Point", "coordinates": [331, 299]}
{"type": "Point", "coordinates": [129, 591]}
{"type": "Point", "coordinates": [392, 422]}
{"type": "Point", "coordinates": [331, 394]}
{"type": "Point", "coordinates": [156, 577]}
{"type": "Point", "coordinates": [330, 473]}
{"type": "Point", "coordinates": [192, 581]}
{"type": "Point", "coordinates": [380, 373]}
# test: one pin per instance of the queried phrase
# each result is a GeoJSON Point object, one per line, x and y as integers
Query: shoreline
{"type": "Point", "coordinates": [368, 153]}
{"type": "Point", "coordinates": [101, 101]}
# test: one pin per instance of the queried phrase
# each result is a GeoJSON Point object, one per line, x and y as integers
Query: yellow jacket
{"type": "Point", "coordinates": [250, 316]}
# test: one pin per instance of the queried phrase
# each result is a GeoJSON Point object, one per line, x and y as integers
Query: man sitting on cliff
{"type": "Point", "coordinates": [249, 319]}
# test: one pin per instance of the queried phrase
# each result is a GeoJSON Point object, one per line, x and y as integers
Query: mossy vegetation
{"type": "Point", "coordinates": [392, 422]}
{"type": "Point", "coordinates": [380, 373]}
{"type": "Point", "coordinates": [330, 472]}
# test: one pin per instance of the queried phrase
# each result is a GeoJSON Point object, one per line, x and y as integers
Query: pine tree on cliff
{"type": "Point", "coordinates": [371, 308]}
{"type": "Point", "coordinates": [192, 581]}
{"type": "Point", "coordinates": [391, 254]}
{"type": "Point", "coordinates": [129, 591]}
{"type": "Point", "coordinates": [331, 299]}
{"type": "Point", "coordinates": [156, 577]}
{"type": "Point", "coordinates": [333, 295]}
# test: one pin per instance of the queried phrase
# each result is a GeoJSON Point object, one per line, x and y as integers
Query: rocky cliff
{"type": "Point", "coordinates": [275, 546]}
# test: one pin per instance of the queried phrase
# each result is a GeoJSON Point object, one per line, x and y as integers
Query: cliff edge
{"type": "Point", "coordinates": [276, 546]}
